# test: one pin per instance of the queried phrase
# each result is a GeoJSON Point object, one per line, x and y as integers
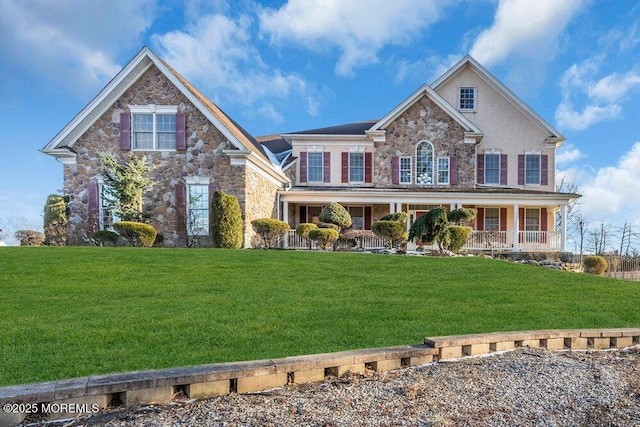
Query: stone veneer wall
{"type": "Point", "coordinates": [261, 199]}
{"type": "Point", "coordinates": [424, 121]}
{"type": "Point", "coordinates": [203, 158]}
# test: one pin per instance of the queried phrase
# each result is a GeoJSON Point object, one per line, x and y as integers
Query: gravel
{"type": "Point", "coordinates": [527, 386]}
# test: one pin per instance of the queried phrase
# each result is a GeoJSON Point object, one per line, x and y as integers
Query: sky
{"type": "Point", "coordinates": [284, 66]}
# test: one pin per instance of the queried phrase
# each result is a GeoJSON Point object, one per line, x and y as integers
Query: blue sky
{"type": "Point", "coordinates": [283, 66]}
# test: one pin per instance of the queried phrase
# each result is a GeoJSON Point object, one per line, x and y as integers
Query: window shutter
{"type": "Point", "coordinates": [543, 219]}
{"type": "Point", "coordinates": [303, 167]}
{"type": "Point", "coordinates": [395, 170]}
{"type": "Point", "coordinates": [345, 167]}
{"type": "Point", "coordinates": [181, 208]}
{"type": "Point", "coordinates": [521, 219]}
{"type": "Point", "coordinates": [544, 170]}
{"type": "Point", "coordinates": [93, 203]}
{"type": "Point", "coordinates": [125, 131]}
{"type": "Point", "coordinates": [480, 169]}
{"type": "Point", "coordinates": [453, 170]}
{"type": "Point", "coordinates": [181, 132]}
{"type": "Point", "coordinates": [480, 219]}
{"type": "Point", "coordinates": [368, 168]}
{"type": "Point", "coordinates": [367, 217]}
{"type": "Point", "coordinates": [303, 214]}
{"type": "Point", "coordinates": [503, 219]}
{"type": "Point", "coordinates": [213, 187]}
{"type": "Point", "coordinates": [520, 169]}
{"type": "Point", "coordinates": [326, 167]}
{"type": "Point", "coordinates": [503, 169]}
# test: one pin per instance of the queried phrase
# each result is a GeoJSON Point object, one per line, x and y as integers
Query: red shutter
{"type": "Point", "coordinates": [303, 214]}
{"type": "Point", "coordinates": [453, 170]}
{"type": "Point", "coordinates": [303, 167]}
{"type": "Point", "coordinates": [395, 170]}
{"type": "Point", "coordinates": [543, 219]}
{"type": "Point", "coordinates": [544, 170]}
{"type": "Point", "coordinates": [480, 169]}
{"type": "Point", "coordinates": [520, 169]}
{"type": "Point", "coordinates": [503, 219]}
{"type": "Point", "coordinates": [345, 167]}
{"type": "Point", "coordinates": [93, 207]}
{"type": "Point", "coordinates": [503, 169]}
{"type": "Point", "coordinates": [181, 132]}
{"type": "Point", "coordinates": [125, 131]}
{"type": "Point", "coordinates": [480, 219]}
{"type": "Point", "coordinates": [181, 208]}
{"type": "Point", "coordinates": [327, 167]}
{"type": "Point", "coordinates": [521, 219]}
{"type": "Point", "coordinates": [367, 217]}
{"type": "Point", "coordinates": [368, 168]}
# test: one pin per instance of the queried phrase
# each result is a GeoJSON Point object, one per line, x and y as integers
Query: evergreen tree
{"type": "Point", "coordinates": [125, 183]}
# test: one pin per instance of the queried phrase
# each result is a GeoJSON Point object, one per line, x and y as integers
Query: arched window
{"type": "Point", "coordinates": [424, 163]}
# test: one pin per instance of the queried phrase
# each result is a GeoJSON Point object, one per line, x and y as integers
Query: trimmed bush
{"type": "Point", "coordinates": [271, 230]}
{"type": "Point", "coordinates": [431, 227]}
{"type": "Point", "coordinates": [459, 235]}
{"type": "Point", "coordinates": [335, 213]}
{"type": "Point", "coordinates": [105, 238]}
{"type": "Point", "coordinates": [392, 232]}
{"type": "Point", "coordinates": [594, 264]}
{"type": "Point", "coordinates": [138, 234]}
{"type": "Point", "coordinates": [324, 237]}
{"type": "Point", "coordinates": [328, 225]}
{"type": "Point", "coordinates": [55, 220]}
{"type": "Point", "coordinates": [402, 217]}
{"type": "Point", "coordinates": [461, 216]}
{"type": "Point", "coordinates": [226, 221]}
{"type": "Point", "coordinates": [303, 230]}
{"type": "Point", "coordinates": [30, 237]}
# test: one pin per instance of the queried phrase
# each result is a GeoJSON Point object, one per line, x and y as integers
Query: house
{"type": "Point", "coordinates": [464, 141]}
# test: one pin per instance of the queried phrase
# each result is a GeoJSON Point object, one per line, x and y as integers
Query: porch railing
{"type": "Point", "coordinates": [504, 240]}
{"type": "Point", "coordinates": [297, 242]}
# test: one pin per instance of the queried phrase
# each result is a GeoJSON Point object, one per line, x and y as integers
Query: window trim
{"type": "Point", "coordinates": [321, 167]}
{"type": "Point", "coordinates": [198, 183]}
{"type": "Point", "coordinates": [361, 154]}
{"type": "Point", "coordinates": [400, 170]}
{"type": "Point", "coordinates": [349, 207]}
{"type": "Point", "coordinates": [539, 181]}
{"type": "Point", "coordinates": [103, 209]}
{"type": "Point", "coordinates": [539, 217]}
{"type": "Point", "coordinates": [154, 110]}
{"type": "Point", "coordinates": [499, 155]}
{"type": "Point", "coordinates": [486, 209]}
{"type": "Point", "coordinates": [474, 91]}
{"type": "Point", "coordinates": [428, 144]}
{"type": "Point", "coordinates": [448, 175]}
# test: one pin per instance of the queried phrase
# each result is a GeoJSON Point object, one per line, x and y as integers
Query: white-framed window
{"type": "Point", "coordinates": [312, 214]}
{"type": "Point", "coordinates": [532, 169]}
{"type": "Point", "coordinates": [492, 168]}
{"type": "Point", "coordinates": [532, 219]}
{"type": "Point", "coordinates": [405, 170]}
{"type": "Point", "coordinates": [108, 211]}
{"type": "Point", "coordinates": [198, 209]}
{"type": "Point", "coordinates": [424, 163]}
{"type": "Point", "coordinates": [153, 127]}
{"type": "Point", "coordinates": [443, 170]}
{"type": "Point", "coordinates": [356, 167]}
{"type": "Point", "coordinates": [357, 217]}
{"type": "Point", "coordinates": [492, 219]}
{"type": "Point", "coordinates": [314, 166]}
{"type": "Point", "coordinates": [467, 98]}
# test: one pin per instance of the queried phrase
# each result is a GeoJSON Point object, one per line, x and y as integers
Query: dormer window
{"type": "Point", "coordinates": [467, 99]}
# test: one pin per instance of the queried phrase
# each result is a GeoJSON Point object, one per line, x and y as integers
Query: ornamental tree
{"type": "Point", "coordinates": [124, 185]}
{"type": "Point", "coordinates": [335, 213]}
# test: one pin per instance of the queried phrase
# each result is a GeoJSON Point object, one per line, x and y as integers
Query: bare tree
{"type": "Point", "coordinates": [9, 225]}
{"type": "Point", "coordinates": [599, 238]}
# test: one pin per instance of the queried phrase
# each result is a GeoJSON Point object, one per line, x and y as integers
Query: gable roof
{"type": "Point", "coordinates": [468, 61]}
{"type": "Point", "coordinates": [358, 128]}
{"type": "Point", "coordinates": [426, 90]}
{"type": "Point", "coordinates": [61, 145]}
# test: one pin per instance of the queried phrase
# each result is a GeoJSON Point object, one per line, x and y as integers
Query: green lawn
{"type": "Point", "coordinates": [69, 312]}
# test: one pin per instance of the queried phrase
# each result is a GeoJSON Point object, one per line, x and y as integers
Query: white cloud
{"type": "Point", "coordinates": [614, 87]}
{"type": "Point", "coordinates": [569, 118]}
{"type": "Point", "coordinates": [218, 54]}
{"type": "Point", "coordinates": [359, 29]}
{"type": "Point", "coordinates": [73, 43]}
{"type": "Point", "coordinates": [526, 28]}
{"type": "Point", "coordinates": [568, 153]}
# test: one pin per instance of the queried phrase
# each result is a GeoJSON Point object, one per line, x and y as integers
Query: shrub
{"type": "Point", "coordinates": [137, 234]}
{"type": "Point", "coordinates": [303, 231]}
{"type": "Point", "coordinates": [226, 221]}
{"type": "Point", "coordinates": [353, 238]}
{"type": "Point", "coordinates": [30, 237]}
{"type": "Point", "coordinates": [328, 225]}
{"type": "Point", "coordinates": [271, 230]}
{"type": "Point", "coordinates": [324, 237]}
{"type": "Point", "coordinates": [431, 227]}
{"type": "Point", "coordinates": [55, 220]}
{"type": "Point", "coordinates": [459, 235]}
{"type": "Point", "coordinates": [594, 264]}
{"type": "Point", "coordinates": [159, 240]}
{"type": "Point", "coordinates": [105, 238]}
{"type": "Point", "coordinates": [402, 217]}
{"type": "Point", "coordinates": [461, 216]}
{"type": "Point", "coordinates": [391, 231]}
{"type": "Point", "coordinates": [335, 213]}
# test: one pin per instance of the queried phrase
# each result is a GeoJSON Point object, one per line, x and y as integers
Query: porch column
{"type": "Point", "coordinates": [398, 207]}
{"type": "Point", "coordinates": [516, 227]}
{"type": "Point", "coordinates": [563, 229]}
{"type": "Point", "coordinates": [392, 207]}
{"type": "Point", "coordinates": [285, 218]}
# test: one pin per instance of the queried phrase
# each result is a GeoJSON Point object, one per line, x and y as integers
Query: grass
{"type": "Point", "coordinates": [69, 312]}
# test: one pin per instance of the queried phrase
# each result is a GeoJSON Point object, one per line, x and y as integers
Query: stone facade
{"type": "Point", "coordinates": [203, 158]}
{"type": "Point", "coordinates": [424, 121]}
{"type": "Point", "coordinates": [260, 196]}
